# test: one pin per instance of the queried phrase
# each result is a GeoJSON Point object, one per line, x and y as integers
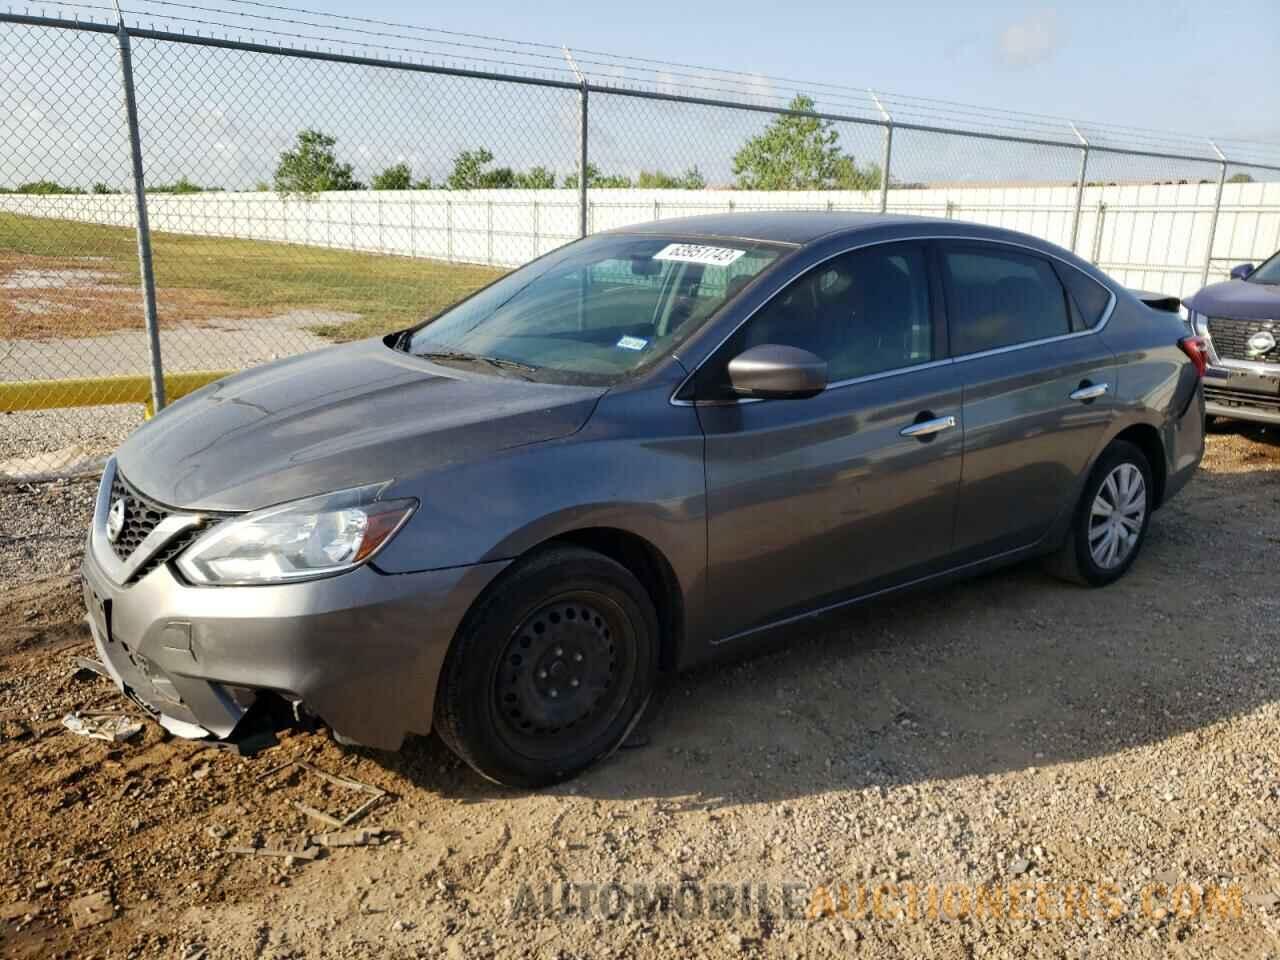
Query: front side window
{"type": "Point", "coordinates": [1268, 272]}
{"type": "Point", "coordinates": [863, 312]}
{"type": "Point", "coordinates": [596, 310]}
{"type": "Point", "coordinates": [998, 298]}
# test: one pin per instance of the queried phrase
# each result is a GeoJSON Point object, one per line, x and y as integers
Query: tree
{"type": "Point", "coordinates": [311, 167]}
{"type": "Point", "coordinates": [538, 178]}
{"type": "Point", "coordinates": [44, 187]}
{"type": "Point", "coordinates": [101, 187]}
{"type": "Point", "coordinates": [397, 177]}
{"type": "Point", "coordinates": [182, 185]}
{"type": "Point", "coordinates": [1240, 178]}
{"type": "Point", "coordinates": [470, 173]}
{"type": "Point", "coordinates": [691, 179]}
{"type": "Point", "coordinates": [850, 176]}
{"type": "Point", "coordinates": [797, 152]}
{"type": "Point", "coordinates": [597, 180]}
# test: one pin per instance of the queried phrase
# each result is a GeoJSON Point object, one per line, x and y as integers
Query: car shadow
{"type": "Point", "coordinates": [1009, 671]}
{"type": "Point", "coordinates": [1254, 432]}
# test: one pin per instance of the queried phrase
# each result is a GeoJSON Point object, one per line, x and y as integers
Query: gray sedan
{"type": "Point", "coordinates": [645, 450]}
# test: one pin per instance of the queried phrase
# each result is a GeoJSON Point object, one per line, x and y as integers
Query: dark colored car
{"type": "Point", "coordinates": [1240, 322]}
{"type": "Point", "coordinates": [643, 451]}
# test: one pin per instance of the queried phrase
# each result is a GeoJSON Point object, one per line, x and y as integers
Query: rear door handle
{"type": "Point", "coordinates": [927, 428]}
{"type": "Point", "coordinates": [1089, 391]}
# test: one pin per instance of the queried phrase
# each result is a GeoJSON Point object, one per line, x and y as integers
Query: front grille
{"type": "Point", "coordinates": [1231, 338]}
{"type": "Point", "coordinates": [141, 516]}
{"type": "Point", "coordinates": [1227, 398]}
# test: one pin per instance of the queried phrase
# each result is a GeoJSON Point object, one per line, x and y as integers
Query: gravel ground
{"type": "Point", "coordinates": [75, 440]}
{"type": "Point", "coordinates": [43, 528]}
{"type": "Point", "coordinates": [216, 344]}
{"type": "Point", "coordinates": [1012, 734]}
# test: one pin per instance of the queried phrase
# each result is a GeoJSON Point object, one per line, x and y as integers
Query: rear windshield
{"type": "Point", "coordinates": [596, 310]}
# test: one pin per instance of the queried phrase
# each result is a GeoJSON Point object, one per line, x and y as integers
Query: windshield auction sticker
{"type": "Point", "coordinates": [699, 253]}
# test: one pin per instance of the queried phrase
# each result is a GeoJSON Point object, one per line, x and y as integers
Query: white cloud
{"type": "Point", "coordinates": [1029, 41]}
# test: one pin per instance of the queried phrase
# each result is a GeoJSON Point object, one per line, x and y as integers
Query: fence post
{"type": "Point", "coordinates": [488, 230]}
{"type": "Point", "coordinates": [448, 229]}
{"type": "Point", "coordinates": [537, 240]}
{"type": "Point", "coordinates": [583, 225]}
{"type": "Point", "coordinates": [1213, 219]}
{"type": "Point", "coordinates": [1097, 232]}
{"type": "Point", "coordinates": [1084, 166]}
{"type": "Point", "coordinates": [582, 164]}
{"type": "Point", "coordinates": [145, 267]}
{"type": "Point", "coordinates": [888, 151]}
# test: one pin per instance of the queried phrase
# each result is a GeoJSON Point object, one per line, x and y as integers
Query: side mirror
{"type": "Point", "coordinates": [774, 372]}
{"type": "Point", "coordinates": [1241, 271]}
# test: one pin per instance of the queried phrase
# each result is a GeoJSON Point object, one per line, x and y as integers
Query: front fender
{"type": "Point", "coordinates": [635, 467]}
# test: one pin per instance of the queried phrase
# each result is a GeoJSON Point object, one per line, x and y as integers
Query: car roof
{"type": "Point", "coordinates": [797, 227]}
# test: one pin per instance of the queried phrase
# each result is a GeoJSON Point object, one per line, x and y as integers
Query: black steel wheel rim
{"type": "Point", "coordinates": [564, 674]}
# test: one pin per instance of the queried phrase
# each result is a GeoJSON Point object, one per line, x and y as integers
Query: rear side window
{"type": "Point", "coordinates": [998, 298]}
{"type": "Point", "coordinates": [1088, 297]}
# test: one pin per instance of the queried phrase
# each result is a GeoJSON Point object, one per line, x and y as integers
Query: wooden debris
{"type": "Point", "coordinates": [375, 794]}
{"type": "Point", "coordinates": [305, 853]}
{"type": "Point", "coordinates": [17, 910]}
{"type": "Point", "coordinates": [370, 837]}
{"type": "Point", "coordinates": [91, 910]}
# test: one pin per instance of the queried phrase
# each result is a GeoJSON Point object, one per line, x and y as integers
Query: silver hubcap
{"type": "Point", "coordinates": [1117, 515]}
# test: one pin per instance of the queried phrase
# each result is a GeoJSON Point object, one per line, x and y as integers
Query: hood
{"type": "Point", "coordinates": [336, 418]}
{"type": "Point", "coordinates": [1239, 299]}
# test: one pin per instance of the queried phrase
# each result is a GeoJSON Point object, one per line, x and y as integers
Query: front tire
{"type": "Point", "coordinates": [1110, 522]}
{"type": "Point", "coordinates": [550, 670]}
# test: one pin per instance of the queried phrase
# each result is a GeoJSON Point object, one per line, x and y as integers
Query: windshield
{"type": "Point", "coordinates": [1269, 272]}
{"type": "Point", "coordinates": [596, 310]}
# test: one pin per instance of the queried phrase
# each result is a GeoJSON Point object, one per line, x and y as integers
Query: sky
{"type": "Point", "coordinates": [223, 118]}
{"type": "Point", "coordinates": [1173, 65]}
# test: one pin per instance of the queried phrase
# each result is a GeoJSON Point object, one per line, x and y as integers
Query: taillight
{"type": "Point", "coordinates": [1198, 351]}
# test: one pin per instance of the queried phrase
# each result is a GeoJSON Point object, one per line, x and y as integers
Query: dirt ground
{"type": "Point", "coordinates": [1009, 734]}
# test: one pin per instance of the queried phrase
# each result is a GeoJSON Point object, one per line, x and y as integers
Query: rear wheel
{"type": "Point", "coordinates": [1110, 522]}
{"type": "Point", "coordinates": [551, 670]}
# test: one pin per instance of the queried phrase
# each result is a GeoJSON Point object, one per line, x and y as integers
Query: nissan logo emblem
{"type": "Point", "coordinates": [115, 520]}
{"type": "Point", "coordinates": [1264, 341]}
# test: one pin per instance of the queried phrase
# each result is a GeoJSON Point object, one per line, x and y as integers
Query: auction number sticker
{"type": "Point", "coordinates": [699, 253]}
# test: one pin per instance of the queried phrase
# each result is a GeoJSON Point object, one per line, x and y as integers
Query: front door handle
{"type": "Point", "coordinates": [927, 428]}
{"type": "Point", "coordinates": [1089, 391]}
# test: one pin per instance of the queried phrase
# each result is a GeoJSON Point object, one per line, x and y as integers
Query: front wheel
{"type": "Point", "coordinates": [1110, 522]}
{"type": "Point", "coordinates": [551, 669]}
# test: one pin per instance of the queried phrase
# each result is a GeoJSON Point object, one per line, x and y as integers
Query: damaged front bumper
{"type": "Point", "coordinates": [1243, 391]}
{"type": "Point", "coordinates": [362, 651]}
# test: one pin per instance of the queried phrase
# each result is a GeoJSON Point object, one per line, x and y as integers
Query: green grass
{"type": "Point", "coordinates": [202, 278]}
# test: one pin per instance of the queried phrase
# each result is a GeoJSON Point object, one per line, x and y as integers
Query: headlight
{"type": "Point", "coordinates": [1199, 323]}
{"type": "Point", "coordinates": [316, 537]}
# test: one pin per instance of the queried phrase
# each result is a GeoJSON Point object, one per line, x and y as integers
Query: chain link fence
{"type": "Point", "coordinates": [289, 194]}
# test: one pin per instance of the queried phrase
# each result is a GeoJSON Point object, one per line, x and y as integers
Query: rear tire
{"type": "Point", "coordinates": [1110, 522]}
{"type": "Point", "coordinates": [550, 670]}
